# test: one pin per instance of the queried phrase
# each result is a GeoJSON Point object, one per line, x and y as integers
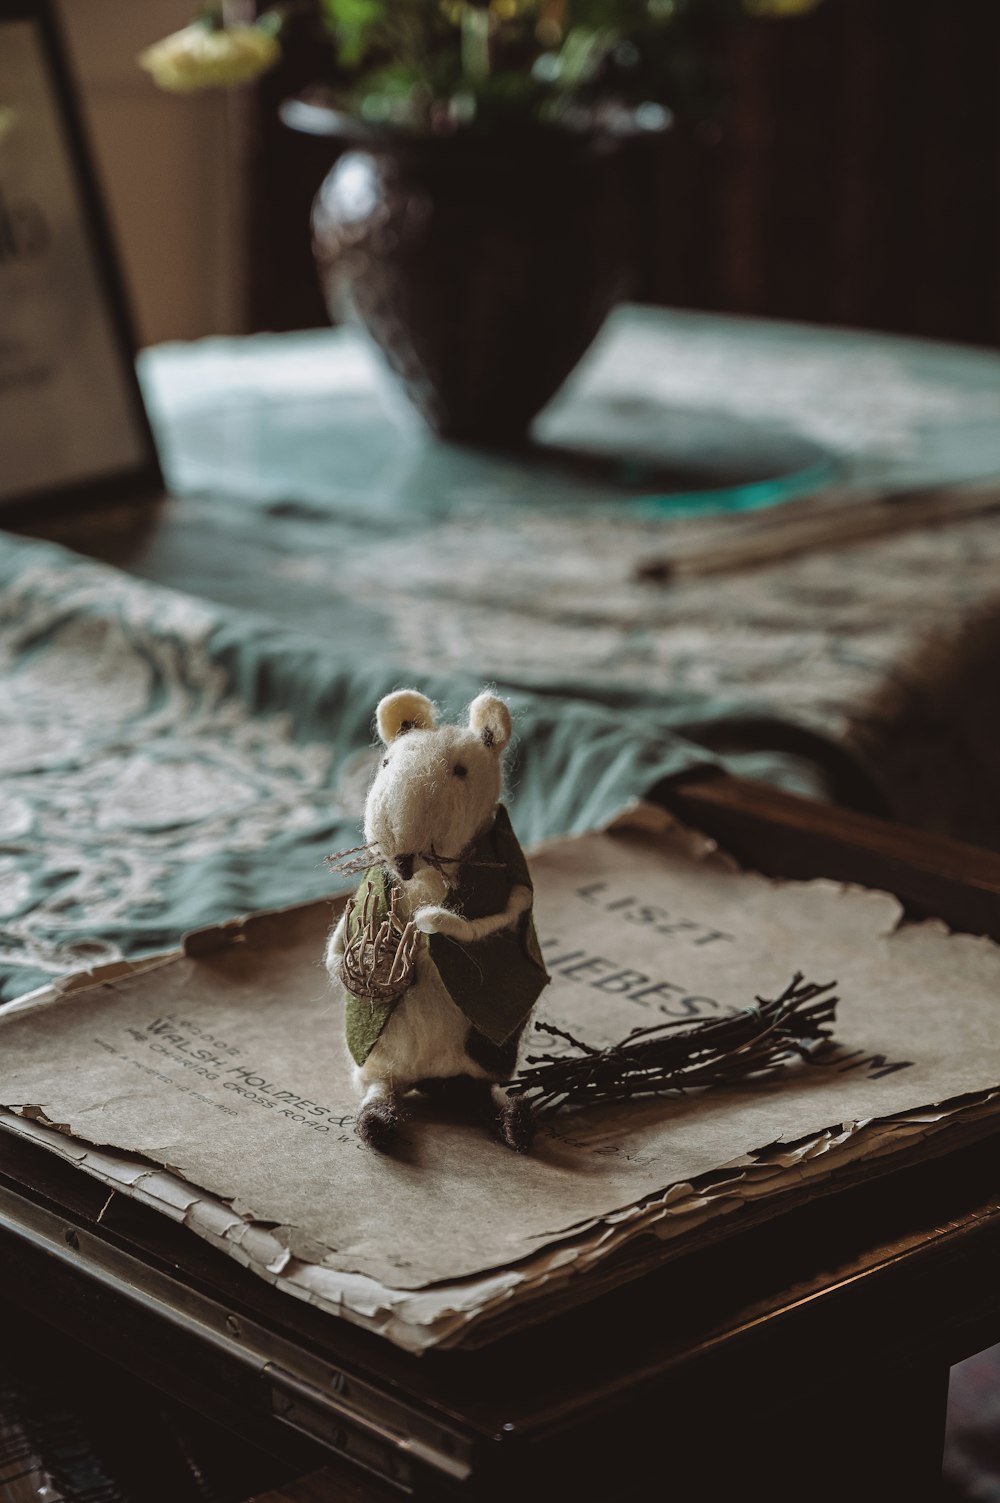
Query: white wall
{"type": "Point", "coordinates": [164, 161]}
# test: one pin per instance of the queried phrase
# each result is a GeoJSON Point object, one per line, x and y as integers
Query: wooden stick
{"type": "Point", "coordinates": [831, 520]}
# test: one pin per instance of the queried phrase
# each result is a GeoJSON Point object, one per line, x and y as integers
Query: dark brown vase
{"type": "Point", "coordinates": [482, 267]}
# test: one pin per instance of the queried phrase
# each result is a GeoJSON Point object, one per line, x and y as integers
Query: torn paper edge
{"type": "Point", "coordinates": [477, 1309]}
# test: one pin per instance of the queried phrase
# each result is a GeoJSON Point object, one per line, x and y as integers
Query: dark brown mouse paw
{"type": "Point", "coordinates": [516, 1124]}
{"type": "Point", "coordinates": [379, 1123]}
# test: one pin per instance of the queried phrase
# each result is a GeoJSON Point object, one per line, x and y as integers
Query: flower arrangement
{"type": "Point", "coordinates": [441, 65]}
{"type": "Point", "coordinates": [478, 227]}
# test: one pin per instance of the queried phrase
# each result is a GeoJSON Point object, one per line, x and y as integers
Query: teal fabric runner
{"type": "Point", "coordinates": [185, 724]}
{"type": "Point", "coordinates": [168, 763]}
{"type": "Point", "coordinates": [300, 491]}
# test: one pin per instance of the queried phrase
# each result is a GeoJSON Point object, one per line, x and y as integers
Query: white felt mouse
{"type": "Point", "coordinates": [437, 953]}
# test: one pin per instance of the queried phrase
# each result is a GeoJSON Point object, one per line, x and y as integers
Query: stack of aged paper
{"type": "Point", "coordinates": [213, 1084]}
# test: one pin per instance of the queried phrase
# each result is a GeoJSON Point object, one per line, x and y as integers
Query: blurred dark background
{"type": "Point", "coordinates": [853, 178]}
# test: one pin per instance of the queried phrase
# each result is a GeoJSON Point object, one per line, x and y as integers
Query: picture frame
{"type": "Point", "coordinates": [74, 430]}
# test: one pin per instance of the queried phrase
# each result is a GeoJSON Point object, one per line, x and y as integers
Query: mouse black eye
{"type": "Point", "coordinates": [385, 761]}
{"type": "Point", "coordinates": [459, 771]}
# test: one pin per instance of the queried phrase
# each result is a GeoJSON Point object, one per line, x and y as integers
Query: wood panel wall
{"type": "Point", "coordinates": [854, 180]}
{"type": "Point", "coordinates": [165, 166]}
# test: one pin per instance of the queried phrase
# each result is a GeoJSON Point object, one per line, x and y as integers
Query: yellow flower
{"type": "Point", "coordinates": [779, 8]}
{"type": "Point", "coordinates": [201, 58]}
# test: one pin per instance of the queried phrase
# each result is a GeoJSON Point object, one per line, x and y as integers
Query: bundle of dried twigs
{"type": "Point", "coordinates": [678, 1057]}
{"type": "Point", "coordinates": [378, 960]}
{"type": "Point", "coordinates": [359, 858]}
{"type": "Point", "coordinates": [353, 861]}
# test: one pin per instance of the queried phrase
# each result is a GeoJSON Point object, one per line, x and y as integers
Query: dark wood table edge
{"type": "Point", "coordinates": [786, 835]}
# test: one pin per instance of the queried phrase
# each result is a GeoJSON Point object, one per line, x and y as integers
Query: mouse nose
{"type": "Point", "coordinates": [404, 865]}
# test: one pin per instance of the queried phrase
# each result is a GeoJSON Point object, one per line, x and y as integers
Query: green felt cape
{"type": "Point", "coordinates": [494, 981]}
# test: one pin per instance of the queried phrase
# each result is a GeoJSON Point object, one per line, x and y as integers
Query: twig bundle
{"type": "Point", "coordinates": [378, 962]}
{"type": "Point", "coordinates": [353, 861]}
{"type": "Point", "coordinates": [359, 858]}
{"type": "Point", "coordinates": [681, 1057]}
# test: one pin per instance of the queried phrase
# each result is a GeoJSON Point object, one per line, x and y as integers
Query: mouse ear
{"type": "Point", "coordinates": [404, 710]}
{"type": "Point", "coordinates": [491, 718]}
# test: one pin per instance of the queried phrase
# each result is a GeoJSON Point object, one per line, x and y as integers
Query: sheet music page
{"type": "Point", "coordinates": [227, 1065]}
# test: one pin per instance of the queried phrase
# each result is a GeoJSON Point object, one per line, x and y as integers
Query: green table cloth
{"type": "Point", "coordinates": [188, 686]}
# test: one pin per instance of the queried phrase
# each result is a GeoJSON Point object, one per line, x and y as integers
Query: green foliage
{"type": "Point", "coordinates": [438, 64]}
{"type": "Point", "coordinates": [356, 26]}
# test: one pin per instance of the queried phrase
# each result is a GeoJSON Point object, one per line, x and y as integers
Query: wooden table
{"type": "Point", "coordinates": [787, 1353]}
{"type": "Point", "coordinates": [805, 1357]}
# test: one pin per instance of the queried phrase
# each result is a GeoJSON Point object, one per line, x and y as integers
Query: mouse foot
{"type": "Point", "coordinates": [379, 1122]}
{"type": "Point", "coordinates": [516, 1124]}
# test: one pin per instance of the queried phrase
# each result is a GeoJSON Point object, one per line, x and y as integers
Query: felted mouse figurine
{"type": "Point", "coordinates": [437, 952]}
